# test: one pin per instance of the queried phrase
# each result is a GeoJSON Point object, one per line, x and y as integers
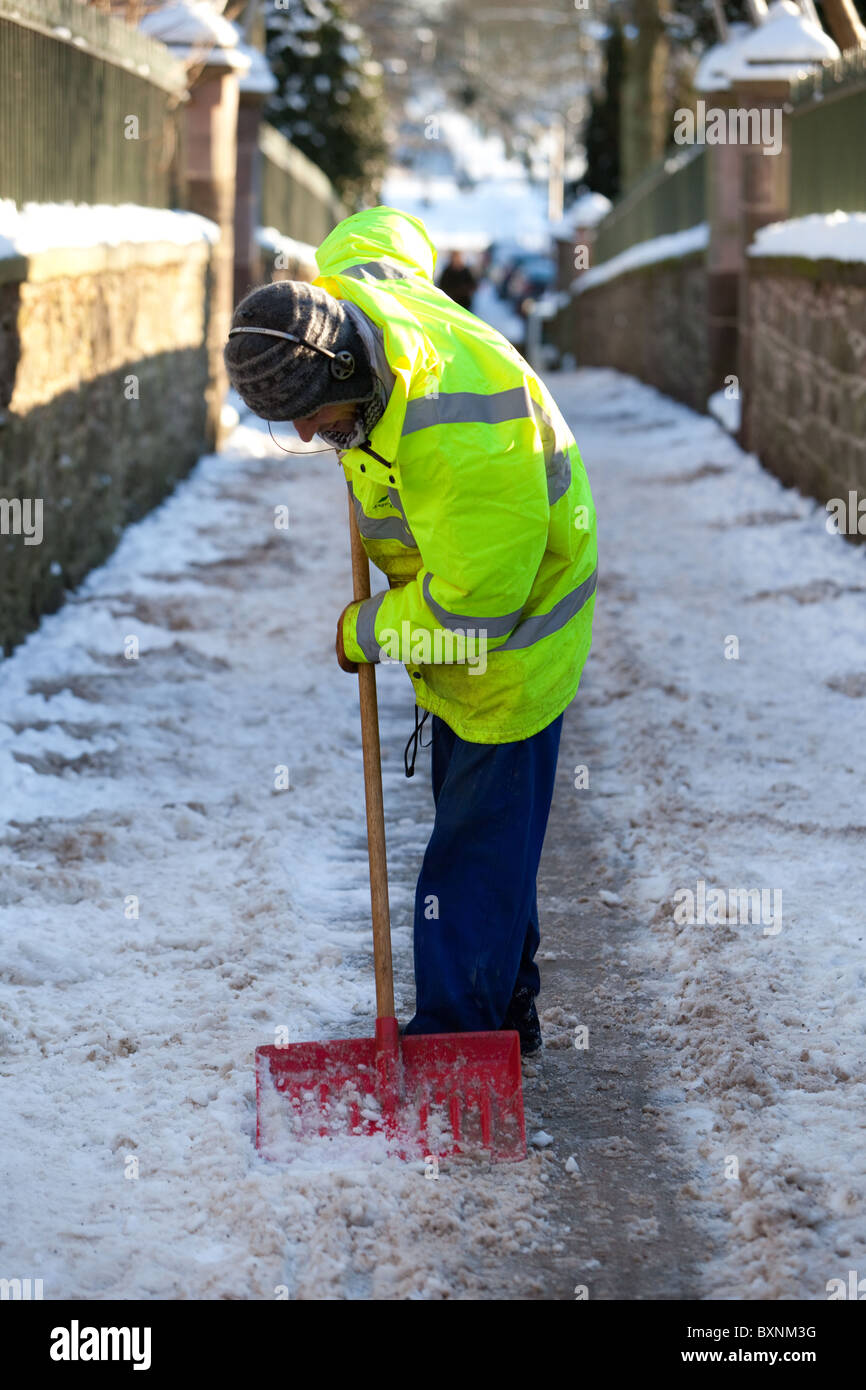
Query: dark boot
{"type": "Point", "coordinates": [521, 1016]}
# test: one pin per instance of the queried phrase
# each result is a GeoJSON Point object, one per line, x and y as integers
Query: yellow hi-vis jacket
{"type": "Point", "coordinates": [471, 497]}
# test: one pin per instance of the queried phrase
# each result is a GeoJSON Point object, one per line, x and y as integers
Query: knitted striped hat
{"type": "Point", "coordinates": [281, 380]}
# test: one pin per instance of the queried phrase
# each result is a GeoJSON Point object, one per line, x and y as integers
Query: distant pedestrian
{"type": "Point", "coordinates": [458, 281]}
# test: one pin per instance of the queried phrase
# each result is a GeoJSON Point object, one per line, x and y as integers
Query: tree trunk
{"type": "Point", "coordinates": [644, 118]}
{"type": "Point", "coordinates": [844, 24]}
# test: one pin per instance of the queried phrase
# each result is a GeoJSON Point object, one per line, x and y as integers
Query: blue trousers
{"type": "Point", "coordinates": [476, 916]}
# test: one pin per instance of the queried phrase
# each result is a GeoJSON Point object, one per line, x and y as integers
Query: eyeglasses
{"type": "Point", "coordinates": [328, 450]}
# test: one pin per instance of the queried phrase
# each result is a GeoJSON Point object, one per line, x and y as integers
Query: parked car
{"type": "Point", "coordinates": [531, 277]}
{"type": "Point", "coordinates": [500, 260]}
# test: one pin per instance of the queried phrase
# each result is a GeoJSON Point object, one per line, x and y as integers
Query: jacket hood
{"type": "Point", "coordinates": [377, 232]}
{"type": "Point", "coordinates": [380, 237]}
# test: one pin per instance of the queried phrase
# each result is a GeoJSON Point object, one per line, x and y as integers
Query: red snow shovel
{"type": "Point", "coordinates": [434, 1094]}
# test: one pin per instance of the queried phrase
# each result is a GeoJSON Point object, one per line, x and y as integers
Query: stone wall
{"type": "Point", "coordinates": [103, 389]}
{"type": "Point", "coordinates": [804, 373]}
{"type": "Point", "coordinates": [649, 322]}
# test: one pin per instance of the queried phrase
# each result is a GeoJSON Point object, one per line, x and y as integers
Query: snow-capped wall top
{"type": "Point", "coordinates": [194, 29]}
{"type": "Point", "coordinates": [272, 240]}
{"type": "Point", "coordinates": [712, 70]}
{"type": "Point", "coordinates": [585, 211]}
{"type": "Point", "coordinates": [258, 77]}
{"type": "Point", "coordinates": [659, 248]}
{"type": "Point", "coordinates": [60, 226]}
{"type": "Point", "coordinates": [834, 236]}
{"type": "Point", "coordinates": [784, 44]}
{"type": "Point", "coordinates": [788, 35]}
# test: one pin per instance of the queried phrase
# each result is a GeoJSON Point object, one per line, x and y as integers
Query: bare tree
{"type": "Point", "coordinates": [517, 69]}
{"type": "Point", "coordinates": [645, 105]}
{"type": "Point", "coordinates": [845, 24]}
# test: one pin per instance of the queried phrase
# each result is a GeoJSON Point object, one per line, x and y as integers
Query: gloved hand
{"type": "Point", "coordinates": [343, 661]}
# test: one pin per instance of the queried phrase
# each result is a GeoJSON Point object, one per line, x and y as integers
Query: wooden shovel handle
{"type": "Point", "coordinates": [373, 795]}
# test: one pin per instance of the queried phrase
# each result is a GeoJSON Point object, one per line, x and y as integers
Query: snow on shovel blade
{"type": "Point", "coordinates": [434, 1094]}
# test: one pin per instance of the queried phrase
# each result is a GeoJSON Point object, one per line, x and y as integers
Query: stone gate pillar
{"type": "Point", "coordinates": [255, 86]}
{"type": "Point", "coordinates": [208, 45]}
{"type": "Point", "coordinates": [749, 172]}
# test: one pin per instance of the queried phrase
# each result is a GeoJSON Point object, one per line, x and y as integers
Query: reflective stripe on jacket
{"type": "Point", "coordinates": [472, 498]}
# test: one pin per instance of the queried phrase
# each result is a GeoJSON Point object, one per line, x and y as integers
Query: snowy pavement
{"type": "Point", "coordinates": [167, 905]}
{"type": "Point", "coordinates": [167, 902]}
{"type": "Point", "coordinates": [743, 772]}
